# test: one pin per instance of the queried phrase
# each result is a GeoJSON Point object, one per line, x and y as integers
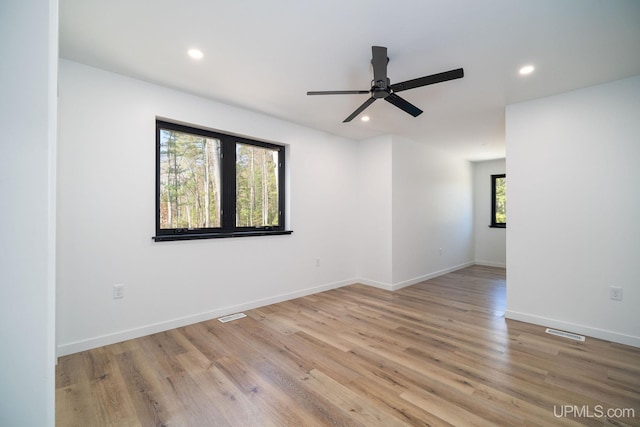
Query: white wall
{"type": "Point", "coordinates": [413, 200]}
{"type": "Point", "coordinates": [432, 210]}
{"type": "Point", "coordinates": [106, 203]}
{"type": "Point", "coordinates": [574, 209]}
{"type": "Point", "coordinates": [490, 243]}
{"type": "Point", "coordinates": [28, 48]}
{"type": "Point", "coordinates": [374, 211]}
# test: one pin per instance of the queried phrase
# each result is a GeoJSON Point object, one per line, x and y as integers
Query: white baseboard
{"type": "Point", "coordinates": [433, 275]}
{"type": "Point", "coordinates": [491, 264]}
{"type": "Point", "coordinates": [82, 345]}
{"type": "Point", "coordinates": [405, 283]}
{"type": "Point", "coordinates": [375, 284]}
{"type": "Point", "coordinates": [577, 329]}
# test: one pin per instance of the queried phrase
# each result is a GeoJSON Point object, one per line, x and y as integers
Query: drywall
{"type": "Point", "coordinates": [412, 201]}
{"type": "Point", "coordinates": [374, 212]}
{"type": "Point", "coordinates": [106, 202]}
{"type": "Point", "coordinates": [574, 206]}
{"type": "Point", "coordinates": [490, 243]}
{"type": "Point", "coordinates": [432, 217]}
{"type": "Point", "coordinates": [29, 31]}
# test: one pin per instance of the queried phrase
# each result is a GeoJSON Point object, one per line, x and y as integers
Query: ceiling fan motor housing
{"type": "Point", "coordinates": [380, 88]}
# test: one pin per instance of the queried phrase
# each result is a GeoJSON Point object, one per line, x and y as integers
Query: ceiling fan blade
{"type": "Point", "coordinates": [338, 92]}
{"type": "Point", "coordinates": [379, 62]}
{"type": "Point", "coordinates": [359, 110]}
{"type": "Point", "coordinates": [403, 104]}
{"type": "Point", "coordinates": [428, 80]}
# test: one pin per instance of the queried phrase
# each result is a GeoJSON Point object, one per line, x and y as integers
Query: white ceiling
{"type": "Point", "coordinates": [264, 55]}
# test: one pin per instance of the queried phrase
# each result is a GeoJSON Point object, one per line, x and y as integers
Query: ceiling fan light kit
{"type": "Point", "coordinates": [381, 87]}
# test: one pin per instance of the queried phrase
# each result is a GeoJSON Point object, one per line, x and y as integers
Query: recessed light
{"type": "Point", "coordinates": [195, 53]}
{"type": "Point", "coordinates": [527, 69]}
{"type": "Point", "coordinates": [365, 118]}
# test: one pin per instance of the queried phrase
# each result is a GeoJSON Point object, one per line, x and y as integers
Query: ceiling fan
{"type": "Point", "coordinates": [381, 86]}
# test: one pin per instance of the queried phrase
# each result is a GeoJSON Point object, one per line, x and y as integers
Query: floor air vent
{"type": "Point", "coordinates": [564, 334]}
{"type": "Point", "coordinates": [231, 317]}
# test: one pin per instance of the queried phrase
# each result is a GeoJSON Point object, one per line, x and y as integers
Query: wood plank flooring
{"type": "Point", "coordinates": [439, 353]}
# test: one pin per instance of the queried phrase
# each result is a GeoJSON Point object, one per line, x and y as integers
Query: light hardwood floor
{"type": "Point", "coordinates": [438, 353]}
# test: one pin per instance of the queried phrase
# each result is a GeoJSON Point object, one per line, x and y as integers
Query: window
{"type": "Point", "coordinates": [498, 201]}
{"type": "Point", "coordinates": [210, 184]}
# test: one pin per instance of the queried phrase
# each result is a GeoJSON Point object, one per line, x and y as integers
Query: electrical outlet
{"type": "Point", "coordinates": [118, 291]}
{"type": "Point", "coordinates": [317, 262]}
{"type": "Point", "coordinates": [615, 293]}
{"type": "Point", "coordinates": [441, 251]}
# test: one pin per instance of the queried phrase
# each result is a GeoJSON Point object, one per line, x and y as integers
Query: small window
{"type": "Point", "coordinates": [210, 184]}
{"type": "Point", "coordinates": [499, 201]}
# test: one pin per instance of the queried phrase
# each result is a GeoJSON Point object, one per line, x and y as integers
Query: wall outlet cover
{"type": "Point", "coordinates": [615, 293]}
{"type": "Point", "coordinates": [118, 291]}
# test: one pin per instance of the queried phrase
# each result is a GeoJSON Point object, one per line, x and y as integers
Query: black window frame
{"type": "Point", "coordinates": [494, 223]}
{"type": "Point", "coordinates": [228, 226]}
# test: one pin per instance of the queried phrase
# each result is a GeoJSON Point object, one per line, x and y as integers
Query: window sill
{"type": "Point", "coordinates": [173, 237]}
{"type": "Point", "coordinates": [498, 226]}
